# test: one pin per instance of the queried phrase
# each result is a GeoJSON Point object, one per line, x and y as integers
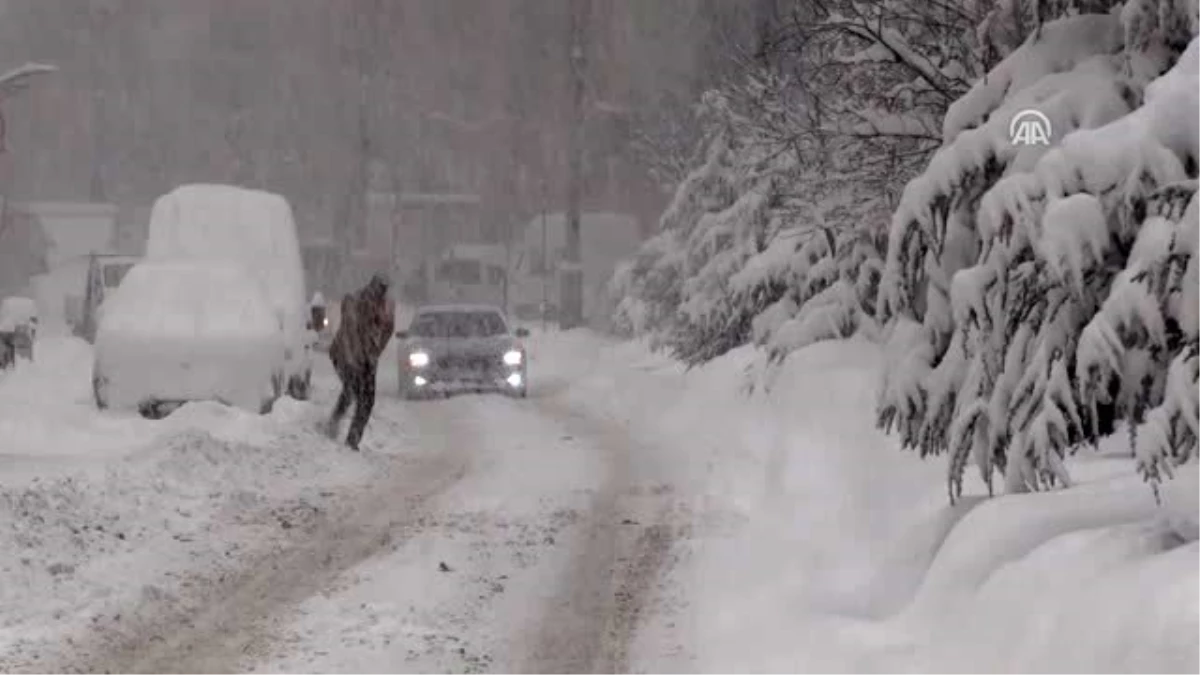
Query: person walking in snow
{"type": "Point", "coordinates": [368, 320]}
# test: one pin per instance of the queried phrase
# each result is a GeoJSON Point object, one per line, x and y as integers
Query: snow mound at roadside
{"type": "Point", "coordinates": [46, 408]}
{"type": "Point", "coordinates": [56, 361]}
{"type": "Point", "coordinates": [69, 541]}
{"type": "Point", "coordinates": [1083, 580]}
{"type": "Point", "coordinates": [822, 492]}
{"type": "Point", "coordinates": [97, 505]}
{"type": "Point", "coordinates": [843, 524]}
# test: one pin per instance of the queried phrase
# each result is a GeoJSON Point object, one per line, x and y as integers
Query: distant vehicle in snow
{"type": "Point", "coordinates": [461, 346]}
{"type": "Point", "coordinates": [18, 330]}
{"type": "Point", "coordinates": [104, 275]}
{"type": "Point", "coordinates": [252, 228]}
{"type": "Point", "coordinates": [469, 273]}
{"type": "Point", "coordinates": [182, 331]}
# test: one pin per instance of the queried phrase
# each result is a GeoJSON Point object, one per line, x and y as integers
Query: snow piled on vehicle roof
{"type": "Point", "coordinates": [228, 223]}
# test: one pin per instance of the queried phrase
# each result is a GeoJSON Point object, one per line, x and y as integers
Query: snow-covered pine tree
{"type": "Point", "coordinates": [715, 317]}
{"type": "Point", "coordinates": [876, 79]}
{"type": "Point", "coordinates": [647, 289]}
{"type": "Point", "coordinates": [1015, 334]}
{"type": "Point", "coordinates": [818, 136]}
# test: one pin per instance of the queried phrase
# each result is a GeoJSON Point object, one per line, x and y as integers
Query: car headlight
{"type": "Point", "coordinates": [513, 358]}
{"type": "Point", "coordinates": [418, 359]}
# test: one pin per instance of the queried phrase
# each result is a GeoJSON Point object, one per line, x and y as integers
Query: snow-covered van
{"type": "Point", "coordinates": [252, 228]}
{"type": "Point", "coordinates": [180, 331]}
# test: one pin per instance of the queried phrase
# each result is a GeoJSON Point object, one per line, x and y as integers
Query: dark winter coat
{"type": "Point", "coordinates": [368, 321]}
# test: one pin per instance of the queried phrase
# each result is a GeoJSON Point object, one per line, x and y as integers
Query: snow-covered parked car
{"type": "Point", "coordinates": [18, 330]}
{"type": "Point", "coordinates": [175, 332]}
{"type": "Point", "coordinates": [253, 228]}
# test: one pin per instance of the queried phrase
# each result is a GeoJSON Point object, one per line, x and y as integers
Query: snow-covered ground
{"type": "Point", "coordinates": [849, 558]}
{"type": "Point", "coordinates": [627, 516]}
{"type": "Point", "coordinates": [101, 512]}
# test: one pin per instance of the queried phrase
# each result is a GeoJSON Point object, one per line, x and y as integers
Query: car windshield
{"type": "Point", "coordinates": [458, 324]}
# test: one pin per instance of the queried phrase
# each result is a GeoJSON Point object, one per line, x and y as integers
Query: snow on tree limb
{"type": "Point", "coordinates": [1070, 316]}
{"type": "Point", "coordinates": [19, 78]}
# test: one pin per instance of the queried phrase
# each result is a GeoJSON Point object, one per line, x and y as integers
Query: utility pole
{"type": "Point", "coordinates": [571, 279]}
{"type": "Point", "coordinates": [545, 264]}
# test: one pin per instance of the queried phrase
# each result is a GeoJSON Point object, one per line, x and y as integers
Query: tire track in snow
{"type": "Point", "coordinates": [592, 625]}
{"type": "Point", "coordinates": [219, 623]}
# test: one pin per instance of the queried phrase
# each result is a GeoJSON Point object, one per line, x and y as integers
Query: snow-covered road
{"type": "Point", "coordinates": [627, 517]}
{"type": "Point", "coordinates": [487, 534]}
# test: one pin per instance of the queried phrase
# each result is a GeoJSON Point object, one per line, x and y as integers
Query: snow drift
{"type": "Point", "coordinates": [848, 558]}
{"type": "Point", "coordinates": [99, 510]}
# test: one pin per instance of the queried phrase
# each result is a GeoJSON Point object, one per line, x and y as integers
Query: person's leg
{"type": "Point", "coordinates": [364, 395]}
{"type": "Point", "coordinates": [339, 411]}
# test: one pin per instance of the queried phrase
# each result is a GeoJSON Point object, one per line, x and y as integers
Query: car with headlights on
{"type": "Point", "coordinates": [449, 348]}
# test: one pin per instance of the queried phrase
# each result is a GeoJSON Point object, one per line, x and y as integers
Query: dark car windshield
{"type": "Point", "coordinates": [458, 324]}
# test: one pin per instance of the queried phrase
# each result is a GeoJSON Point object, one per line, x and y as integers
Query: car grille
{"type": "Point", "coordinates": [466, 362]}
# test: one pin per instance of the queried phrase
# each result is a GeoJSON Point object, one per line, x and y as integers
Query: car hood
{"type": "Point", "coordinates": [438, 347]}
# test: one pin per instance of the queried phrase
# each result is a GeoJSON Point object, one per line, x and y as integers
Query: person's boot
{"type": "Point", "coordinates": [354, 437]}
{"type": "Point", "coordinates": [331, 429]}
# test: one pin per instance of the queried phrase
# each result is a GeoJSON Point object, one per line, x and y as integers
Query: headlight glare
{"type": "Point", "coordinates": [513, 358]}
{"type": "Point", "coordinates": [418, 359]}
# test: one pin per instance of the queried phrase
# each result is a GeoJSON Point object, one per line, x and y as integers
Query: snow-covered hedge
{"type": "Point", "coordinates": [1037, 297]}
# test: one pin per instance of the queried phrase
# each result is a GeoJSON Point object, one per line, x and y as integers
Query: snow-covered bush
{"type": "Point", "coordinates": [188, 331]}
{"type": "Point", "coordinates": [646, 287]}
{"type": "Point", "coordinates": [1038, 295]}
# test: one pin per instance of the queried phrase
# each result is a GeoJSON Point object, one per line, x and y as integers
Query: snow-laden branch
{"type": "Point", "coordinates": [18, 78]}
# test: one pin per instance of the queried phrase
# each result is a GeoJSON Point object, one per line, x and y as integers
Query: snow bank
{"type": "Point", "coordinates": [188, 331]}
{"type": "Point", "coordinates": [841, 529]}
{"type": "Point", "coordinates": [98, 508]}
{"type": "Point", "coordinates": [822, 491]}
{"type": "Point", "coordinates": [1084, 580]}
{"type": "Point", "coordinates": [46, 409]}
{"type": "Point", "coordinates": [792, 448]}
